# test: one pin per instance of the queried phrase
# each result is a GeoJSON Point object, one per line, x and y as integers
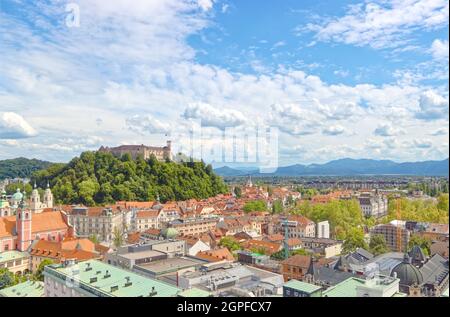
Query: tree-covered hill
{"type": "Point", "coordinates": [21, 167]}
{"type": "Point", "coordinates": [97, 178]}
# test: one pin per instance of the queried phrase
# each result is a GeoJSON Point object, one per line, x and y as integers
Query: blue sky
{"type": "Point", "coordinates": [361, 79]}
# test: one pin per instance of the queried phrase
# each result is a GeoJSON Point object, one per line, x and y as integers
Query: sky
{"type": "Point", "coordinates": [336, 79]}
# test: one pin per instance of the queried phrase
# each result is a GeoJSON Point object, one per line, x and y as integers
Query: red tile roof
{"type": "Point", "coordinates": [147, 214]}
{"type": "Point", "coordinates": [60, 251]}
{"type": "Point", "coordinates": [216, 255]}
{"type": "Point", "coordinates": [270, 247]}
{"type": "Point", "coordinates": [42, 222]}
{"type": "Point", "coordinates": [298, 260]}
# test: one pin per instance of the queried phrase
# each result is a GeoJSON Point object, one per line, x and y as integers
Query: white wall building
{"type": "Point", "coordinates": [323, 229]}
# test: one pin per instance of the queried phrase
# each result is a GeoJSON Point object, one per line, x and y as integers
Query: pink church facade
{"type": "Point", "coordinates": [18, 232]}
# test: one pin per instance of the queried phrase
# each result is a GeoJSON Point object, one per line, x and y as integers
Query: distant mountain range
{"type": "Point", "coordinates": [348, 167]}
{"type": "Point", "coordinates": [22, 167]}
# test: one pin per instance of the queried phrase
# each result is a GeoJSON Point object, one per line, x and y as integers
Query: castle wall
{"type": "Point", "coordinates": [161, 153]}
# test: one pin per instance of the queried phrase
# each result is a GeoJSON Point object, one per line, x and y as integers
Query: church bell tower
{"type": "Point", "coordinates": [23, 226]}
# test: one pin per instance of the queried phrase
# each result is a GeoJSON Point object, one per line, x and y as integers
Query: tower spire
{"type": "Point", "coordinates": [23, 204]}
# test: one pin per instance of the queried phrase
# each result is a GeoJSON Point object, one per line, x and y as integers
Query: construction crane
{"type": "Point", "coordinates": [399, 230]}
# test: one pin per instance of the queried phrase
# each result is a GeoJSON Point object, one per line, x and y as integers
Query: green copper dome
{"type": "Point", "coordinates": [169, 233]}
{"type": "Point", "coordinates": [17, 195]}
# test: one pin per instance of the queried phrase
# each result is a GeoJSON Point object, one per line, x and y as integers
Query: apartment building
{"type": "Point", "coordinates": [295, 267]}
{"type": "Point", "coordinates": [373, 204]}
{"type": "Point", "coordinates": [144, 220]}
{"type": "Point", "coordinates": [390, 232]}
{"type": "Point", "coordinates": [194, 226]}
{"type": "Point", "coordinates": [299, 227]}
{"type": "Point", "coordinates": [326, 247]}
{"type": "Point", "coordinates": [99, 221]}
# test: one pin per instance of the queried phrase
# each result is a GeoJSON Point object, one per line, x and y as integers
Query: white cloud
{"type": "Point", "coordinates": [225, 7]}
{"type": "Point", "coordinates": [334, 130]}
{"type": "Point", "coordinates": [422, 143]}
{"type": "Point", "coordinates": [383, 24]}
{"type": "Point", "coordinates": [432, 106]}
{"type": "Point", "coordinates": [388, 130]}
{"type": "Point", "coordinates": [341, 73]}
{"type": "Point", "coordinates": [135, 59]}
{"type": "Point", "coordinates": [214, 117]}
{"type": "Point", "coordinates": [338, 111]}
{"type": "Point", "coordinates": [14, 126]}
{"type": "Point", "coordinates": [278, 44]}
{"type": "Point", "coordinates": [294, 119]}
{"type": "Point", "coordinates": [206, 4]}
{"type": "Point", "coordinates": [9, 142]}
{"type": "Point", "coordinates": [442, 131]}
{"type": "Point", "coordinates": [439, 50]}
{"type": "Point", "coordinates": [147, 124]}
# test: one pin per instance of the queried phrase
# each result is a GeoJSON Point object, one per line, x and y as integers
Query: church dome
{"type": "Point", "coordinates": [407, 273]}
{"type": "Point", "coordinates": [17, 195]}
{"type": "Point", "coordinates": [169, 233]}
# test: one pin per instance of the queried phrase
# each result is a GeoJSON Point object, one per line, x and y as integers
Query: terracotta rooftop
{"type": "Point", "coordinates": [190, 240]}
{"type": "Point", "coordinates": [270, 247]}
{"type": "Point", "coordinates": [302, 220]}
{"type": "Point", "coordinates": [70, 243]}
{"type": "Point", "coordinates": [298, 260]}
{"type": "Point", "coordinates": [59, 251]}
{"type": "Point", "coordinates": [135, 204]}
{"type": "Point", "coordinates": [147, 214]}
{"type": "Point", "coordinates": [292, 242]}
{"type": "Point", "coordinates": [275, 237]}
{"type": "Point", "coordinates": [216, 255]}
{"type": "Point", "coordinates": [101, 248]}
{"type": "Point", "coordinates": [42, 222]}
{"type": "Point", "coordinates": [134, 237]}
{"type": "Point", "coordinates": [153, 231]}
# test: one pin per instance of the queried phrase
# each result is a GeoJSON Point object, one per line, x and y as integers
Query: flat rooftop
{"type": "Point", "coordinates": [141, 254]}
{"type": "Point", "coordinates": [109, 281]}
{"type": "Point", "coordinates": [25, 289]}
{"type": "Point", "coordinates": [194, 292]}
{"type": "Point", "coordinates": [302, 286]}
{"type": "Point", "coordinates": [12, 255]}
{"type": "Point", "coordinates": [345, 288]}
{"type": "Point", "coordinates": [170, 265]}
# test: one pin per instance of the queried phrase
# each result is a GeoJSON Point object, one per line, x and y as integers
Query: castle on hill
{"type": "Point", "coordinates": [161, 153]}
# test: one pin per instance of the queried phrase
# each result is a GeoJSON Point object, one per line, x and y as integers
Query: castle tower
{"type": "Point", "coordinates": [35, 205]}
{"type": "Point", "coordinates": [48, 197]}
{"type": "Point", "coordinates": [168, 150]}
{"type": "Point", "coordinates": [23, 226]}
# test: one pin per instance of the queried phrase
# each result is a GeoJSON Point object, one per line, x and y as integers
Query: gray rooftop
{"type": "Point", "coordinates": [435, 269]}
{"type": "Point", "coordinates": [169, 265]}
{"type": "Point", "coordinates": [141, 254]}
